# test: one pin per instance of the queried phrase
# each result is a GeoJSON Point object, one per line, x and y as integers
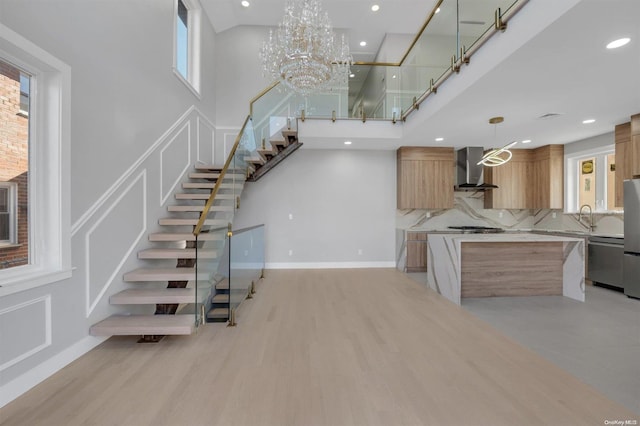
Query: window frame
{"type": "Point", "coordinates": [49, 165]}
{"type": "Point", "coordinates": [12, 210]}
{"type": "Point", "coordinates": [194, 19]}
{"type": "Point", "coordinates": [572, 178]}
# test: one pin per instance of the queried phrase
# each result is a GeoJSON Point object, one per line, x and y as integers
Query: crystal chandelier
{"type": "Point", "coordinates": [303, 53]}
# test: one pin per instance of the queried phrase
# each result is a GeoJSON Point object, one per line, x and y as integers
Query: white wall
{"type": "Point", "coordinates": [341, 201]}
{"type": "Point", "coordinates": [134, 128]}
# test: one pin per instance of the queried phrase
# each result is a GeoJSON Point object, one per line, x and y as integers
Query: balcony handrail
{"type": "Point", "coordinates": [464, 55]}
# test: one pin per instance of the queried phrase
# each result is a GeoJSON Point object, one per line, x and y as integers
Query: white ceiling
{"type": "Point", "coordinates": [564, 69]}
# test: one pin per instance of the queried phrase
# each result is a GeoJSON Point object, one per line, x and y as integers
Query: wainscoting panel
{"type": "Point", "coordinates": [113, 237]}
{"type": "Point", "coordinates": [205, 141]}
{"type": "Point", "coordinates": [175, 159]}
{"type": "Point", "coordinates": [20, 339]}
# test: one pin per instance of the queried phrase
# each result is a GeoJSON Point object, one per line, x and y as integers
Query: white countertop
{"type": "Point", "coordinates": [507, 237]}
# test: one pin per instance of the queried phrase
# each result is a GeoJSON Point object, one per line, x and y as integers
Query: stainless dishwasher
{"type": "Point", "coordinates": [606, 256]}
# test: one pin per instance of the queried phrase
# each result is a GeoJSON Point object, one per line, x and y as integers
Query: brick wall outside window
{"type": "Point", "coordinates": [14, 160]}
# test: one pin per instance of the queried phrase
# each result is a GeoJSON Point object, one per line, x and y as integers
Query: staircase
{"type": "Point", "coordinates": [169, 280]}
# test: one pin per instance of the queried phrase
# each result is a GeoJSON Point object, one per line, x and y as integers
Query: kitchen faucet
{"type": "Point", "coordinates": [591, 226]}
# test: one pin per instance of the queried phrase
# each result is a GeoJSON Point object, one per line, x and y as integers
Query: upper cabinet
{"type": "Point", "coordinates": [635, 145]}
{"type": "Point", "coordinates": [532, 179]}
{"type": "Point", "coordinates": [548, 177]}
{"type": "Point", "coordinates": [425, 177]}
{"type": "Point", "coordinates": [624, 159]}
{"type": "Point", "coordinates": [512, 178]}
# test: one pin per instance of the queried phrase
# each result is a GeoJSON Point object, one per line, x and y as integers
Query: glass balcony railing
{"type": "Point", "coordinates": [453, 31]}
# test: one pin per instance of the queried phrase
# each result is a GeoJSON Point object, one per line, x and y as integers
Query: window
{"type": "Point", "coordinates": [182, 40]}
{"type": "Point", "coordinates": [37, 187]}
{"type": "Point", "coordinates": [7, 213]}
{"type": "Point", "coordinates": [591, 180]}
{"type": "Point", "coordinates": [24, 94]}
{"type": "Point", "coordinates": [187, 43]}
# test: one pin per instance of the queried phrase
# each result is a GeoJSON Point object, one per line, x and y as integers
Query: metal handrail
{"type": "Point", "coordinates": [223, 172]}
{"type": "Point", "coordinates": [465, 55]}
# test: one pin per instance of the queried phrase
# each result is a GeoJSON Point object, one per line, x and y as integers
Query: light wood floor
{"type": "Point", "coordinates": [330, 347]}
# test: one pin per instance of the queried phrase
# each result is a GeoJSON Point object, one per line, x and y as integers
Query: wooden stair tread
{"type": "Point", "coordinates": [223, 285]}
{"type": "Point", "coordinates": [203, 196]}
{"type": "Point", "coordinates": [164, 274]}
{"type": "Point", "coordinates": [162, 253]}
{"type": "Point", "coordinates": [210, 185]}
{"type": "Point", "coordinates": [255, 160]}
{"type": "Point", "coordinates": [133, 325]}
{"type": "Point", "coordinates": [218, 313]}
{"type": "Point", "coordinates": [205, 236]}
{"type": "Point", "coordinates": [214, 175]}
{"type": "Point", "coordinates": [142, 296]}
{"type": "Point", "coordinates": [176, 208]}
{"type": "Point", "coordinates": [220, 298]}
{"type": "Point", "coordinates": [194, 221]}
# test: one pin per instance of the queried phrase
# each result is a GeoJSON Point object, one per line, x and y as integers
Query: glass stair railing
{"type": "Point", "coordinates": [452, 33]}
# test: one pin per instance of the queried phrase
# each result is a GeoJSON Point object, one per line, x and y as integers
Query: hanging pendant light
{"type": "Point", "coordinates": [497, 156]}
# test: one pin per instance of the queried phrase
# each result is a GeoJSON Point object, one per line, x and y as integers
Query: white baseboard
{"type": "Point", "coordinates": [330, 265]}
{"type": "Point", "coordinates": [28, 380]}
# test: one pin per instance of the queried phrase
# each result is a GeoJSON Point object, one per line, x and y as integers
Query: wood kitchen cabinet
{"type": "Point", "coordinates": [624, 160]}
{"type": "Point", "coordinates": [416, 252]}
{"type": "Point", "coordinates": [425, 178]}
{"type": "Point", "coordinates": [635, 145]}
{"type": "Point", "coordinates": [512, 179]}
{"type": "Point", "coordinates": [532, 179]}
{"type": "Point", "coordinates": [547, 183]}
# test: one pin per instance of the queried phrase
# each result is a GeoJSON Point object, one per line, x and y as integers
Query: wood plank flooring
{"type": "Point", "coordinates": [321, 347]}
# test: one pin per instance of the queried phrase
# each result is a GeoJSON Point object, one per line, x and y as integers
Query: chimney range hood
{"type": "Point", "coordinates": [470, 174]}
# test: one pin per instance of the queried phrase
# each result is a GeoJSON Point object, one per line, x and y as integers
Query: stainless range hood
{"type": "Point", "coordinates": [470, 174]}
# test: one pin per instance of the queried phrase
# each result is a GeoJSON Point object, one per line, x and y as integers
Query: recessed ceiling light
{"type": "Point", "coordinates": [352, 75]}
{"type": "Point", "coordinates": [438, 10]}
{"type": "Point", "coordinates": [363, 43]}
{"type": "Point", "coordinates": [347, 142]}
{"type": "Point", "coordinates": [439, 139]}
{"type": "Point", "coordinates": [618, 43]}
{"type": "Point", "coordinates": [245, 3]}
{"type": "Point", "coordinates": [526, 141]}
{"type": "Point", "coordinates": [393, 76]}
{"type": "Point", "coordinates": [375, 8]}
{"type": "Point", "coordinates": [589, 121]}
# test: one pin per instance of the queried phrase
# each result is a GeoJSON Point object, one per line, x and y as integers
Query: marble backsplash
{"type": "Point", "coordinates": [468, 209]}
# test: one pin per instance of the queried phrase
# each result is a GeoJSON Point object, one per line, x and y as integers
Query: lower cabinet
{"type": "Point", "coordinates": [416, 252]}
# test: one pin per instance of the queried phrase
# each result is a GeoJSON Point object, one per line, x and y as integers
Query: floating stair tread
{"type": "Point", "coordinates": [290, 135]}
{"type": "Point", "coordinates": [215, 175]}
{"type": "Point", "coordinates": [223, 285]}
{"type": "Point", "coordinates": [177, 253]}
{"type": "Point", "coordinates": [205, 236]}
{"type": "Point", "coordinates": [146, 296]}
{"type": "Point", "coordinates": [180, 221]}
{"type": "Point", "coordinates": [220, 298]}
{"type": "Point", "coordinates": [203, 196]}
{"type": "Point", "coordinates": [164, 274]}
{"type": "Point", "coordinates": [255, 160]}
{"type": "Point", "coordinates": [210, 185]}
{"type": "Point", "coordinates": [199, 208]}
{"type": "Point", "coordinates": [218, 313]}
{"type": "Point", "coordinates": [137, 325]}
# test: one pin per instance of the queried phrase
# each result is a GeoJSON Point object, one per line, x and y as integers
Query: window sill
{"type": "Point", "coordinates": [9, 246]}
{"type": "Point", "coordinates": [187, 83]}
{"type": "Point", "coordinates": [23, 113]}
{"type": "Point", "coordinates": [30, 278]}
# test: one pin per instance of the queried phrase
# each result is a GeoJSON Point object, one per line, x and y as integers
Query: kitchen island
{"type": "Point", "coordinates": [506, 264]}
